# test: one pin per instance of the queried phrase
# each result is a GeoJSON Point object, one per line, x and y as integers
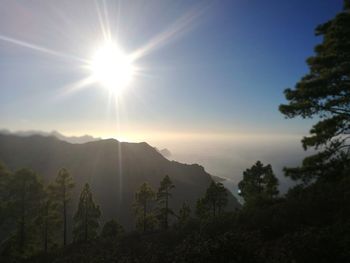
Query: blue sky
{"type": "Point", "coordinates": [223, 72]}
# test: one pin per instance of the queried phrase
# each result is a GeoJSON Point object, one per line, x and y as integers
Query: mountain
{"type": "Point", "coordinates": [165, 152]}
{"type": "Point", "coordinates": [218, 179]}
{"type": "Point", "coordinates": [71, 139]}
{"type": "Point", "coordinates": [74, 139]}
{"type": "Point", "coordinates": [114, 170]}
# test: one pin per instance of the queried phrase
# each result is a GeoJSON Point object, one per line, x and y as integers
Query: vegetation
{"type": "Point", "coordinates": [213, 202]}
{"type": "Point", "coordinates": [325, 93]}
{"type": "Point", "coordinates": [184, 215]}
{"type": "Point", "coordinates": [310, 223]}
{"type": "Point", "coordinates": [60, 191]}
{"type": "Point", "coordinates": [86, 219]}
{"type": "Point", "coordinates": [4, 193]}
{"type": "Point", "coordinates": [50, 221]}
{"type": "Point", "coordinates": [259, 184]}
{"type": "Point", "coordinates": [163, 196]}
{"type": "Point", "coordinates": [26, 193]}
{"type": "Point", "coordinates": [143, 208]}
{"type": "Point", "coordinates": [112, 230]}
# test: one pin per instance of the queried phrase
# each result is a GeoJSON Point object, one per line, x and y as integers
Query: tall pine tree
{"type": "Point", "coordinates": [142, 203]}
{"type": "Point", "coordinates": [50, 221]}
{"type": "Point", "coordinates": [86, 219]}
{"type": "Point", "coordinates": [163, 195]}
{"type": "Point", "coordinates": [5, 177]}
{"type": "Point", "coordinates": [60, 192]}
{"type": "Point", "coordinates": [324, 94]}
{"type": "Point", "coordinates": [184, 214]}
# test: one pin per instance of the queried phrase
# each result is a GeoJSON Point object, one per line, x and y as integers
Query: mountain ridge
{"type": "Point", "coordinates": [71, 139]}
{"type": "Point", "coordinates": [113, 169]}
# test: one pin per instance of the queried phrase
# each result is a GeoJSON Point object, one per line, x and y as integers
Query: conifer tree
{"type": "Point", "coordinates": [50, 221]}
{"type": "Point", "coordinates": [324, 94]}
{"type": "Point", "coordinates": [86, 219]}
{"type": "Point", "coordinates": [26, 193]}
{"type": "Point", "coordinates": [60, 192]}
{"type": "Point", "coordinates": [216, 197]}
{"type": "Point", "coordinates": [163, 196]}
{"type": "Point", "coordinates": [4, 193]}
{"type": "Point", "coordinates": [184, 214]}
{"type": "Point", "coordinates": [259, 183]}
{"type": "Point", "coordinates": [213, 202]}
{"type": "Point", "coordinates": [142, 203]}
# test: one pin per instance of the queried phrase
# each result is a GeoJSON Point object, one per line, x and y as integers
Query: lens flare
{"type": "Point", "coordinates": [111, 67]}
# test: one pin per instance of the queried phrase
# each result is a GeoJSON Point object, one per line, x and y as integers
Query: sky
{"type": "Point", "coordinates": [211, 74]}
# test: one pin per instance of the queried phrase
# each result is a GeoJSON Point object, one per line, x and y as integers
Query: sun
{"type": "Point", "coordinates": [111, 67]}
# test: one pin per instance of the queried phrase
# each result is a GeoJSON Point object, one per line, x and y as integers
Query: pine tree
{"type": "Point", "coordinates": [184, 214]}
{"type": "Point", "coordinates": [50, 221]}
{"type": "Point", "coordinates": [324, 94]}
{"type": "Point", "coordinates": [216, 197]}
{"type": "Point", "coordinates": [86, 219]}
{"type": "Point", "coordinates": [60, 192]}
{"type": "Point", "coordinates": [259, 183]}
{"type": "Point", "coordinates": [26, 193]}
{"type": "Point", "coordinates": [143, 200]}
{"type": "Point", "coordinates": [163, 196]}
{"type": "Point", "coordinates": [214, 200]}
{"type": "Point", "coordinates": [4, 193]}
{"type": "Point", "coordinates": [45, 223]}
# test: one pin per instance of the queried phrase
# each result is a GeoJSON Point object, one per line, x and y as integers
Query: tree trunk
{"type": "Point", "coordinates": [144, 216]}
{"type": "Point", "coordinates": [46, 228]}
{"type": "Point", "coordinates": [64, 217]}
{"type": "Point", "coordinates": [22, 220]}
{"type": "Point", "coordinates": [166, 209]}
{"type": "Point", "coordinates": [86, 222]}
{"type": "Point", "coordinates": [22, 234]}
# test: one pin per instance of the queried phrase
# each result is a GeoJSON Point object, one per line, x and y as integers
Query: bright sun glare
{"type": "Point", "coordinates": [111, 67]}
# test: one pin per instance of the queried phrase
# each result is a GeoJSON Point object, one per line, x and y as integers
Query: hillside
{"type": "Point", "coordinates": [113, 169]}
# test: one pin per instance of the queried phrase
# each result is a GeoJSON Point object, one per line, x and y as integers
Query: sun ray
{"type": "Point", "coordinates": [77, 86]}
{"type": "Point", "coordinates": [182, 25]}
{"type": "Point", "coordinates": [40, 48]}
{"type": "Point", "coordinates": [103, 20]}
{"type": "Point", "coordinates": [105, 11]}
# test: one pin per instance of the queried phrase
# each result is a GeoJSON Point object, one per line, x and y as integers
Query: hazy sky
{"type": "Point", "coordinates": [219, 67]}
{"type": "Point", "coordinates": [210, 82]}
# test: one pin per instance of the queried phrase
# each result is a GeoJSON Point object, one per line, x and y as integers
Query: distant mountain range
{"type": "Point", "coordinates": [71, 139]}
{"type": "Point", "coordinates": [114, 169]}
